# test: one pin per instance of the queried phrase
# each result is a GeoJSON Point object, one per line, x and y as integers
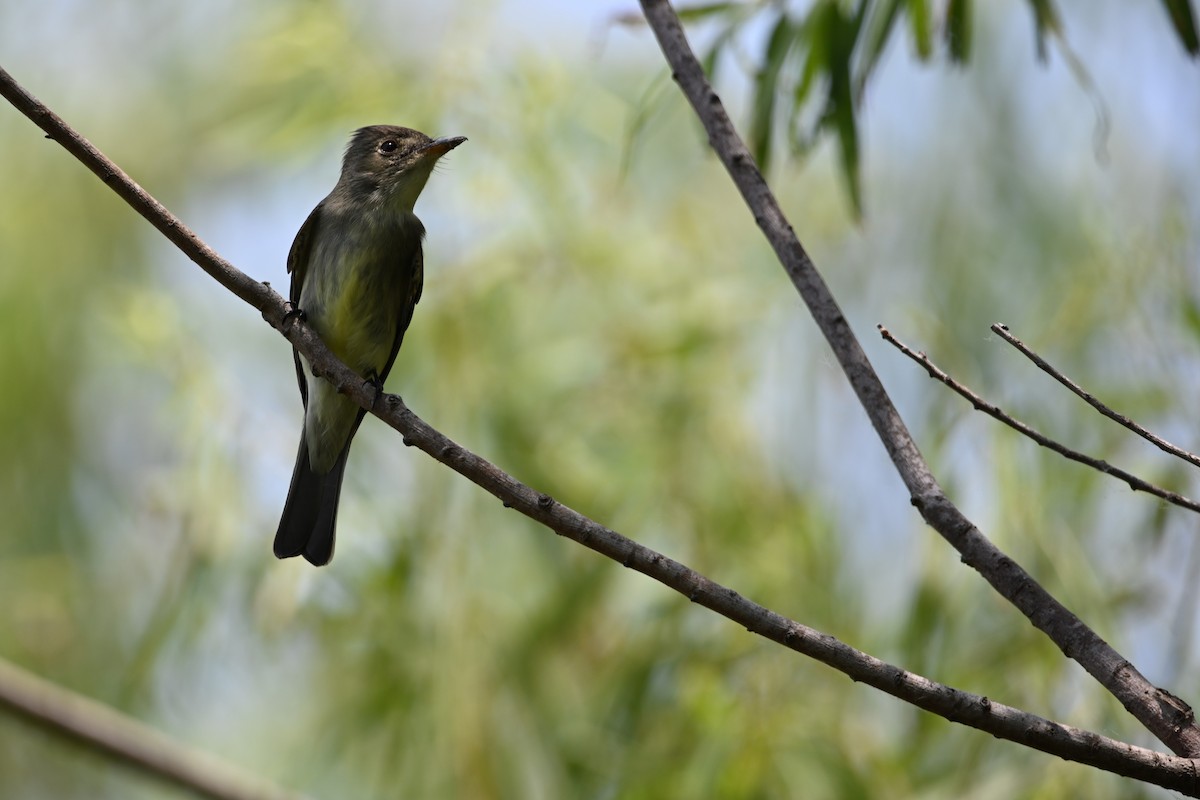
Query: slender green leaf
{"type": "Point", "coordinates": [650, 103]}
{"type": "Point", "coordinates": [1183, 17]}
{"type": "Point", "coordinates": [712, 56]}
{"type": "Point", "coordinates": [879, 33]}
{"type": "Point", "coordinates": [814, 62]}
{"type": "Point", "coordinates": [854, 28]}
{"type": "Point", "coordinates": [958, 30]}
{"type": "Point", "coordinates": [813, 34]}
{"type": "Point", "coordinates": [921, 27]}
{"type": "Point", "coordinates": [697, 13]}
{"type": "Point", "coordinates": [1046, 21]}
{"type": "Point", "coordinates": [783, 36]}
{"type": "Point", "coordinates": [840, 34]}
{"type": "Point", "coordinates": [705, 10]}
{"type": "Point", "coordinates": [1191, 316]}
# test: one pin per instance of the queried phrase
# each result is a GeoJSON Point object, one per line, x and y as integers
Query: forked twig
{"type": "Point", "coordinates": [1002, 331]}
{"type": "Point", "coordinates": [994, 411]}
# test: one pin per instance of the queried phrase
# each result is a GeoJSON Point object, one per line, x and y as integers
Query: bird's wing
{"type": "Point", "coordinates": [297, 265]}
{"type": "Point", "coordinates": [416, 282]}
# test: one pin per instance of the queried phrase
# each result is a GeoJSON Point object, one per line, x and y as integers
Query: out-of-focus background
{"type": "Point", "coordinates": [601, 318]}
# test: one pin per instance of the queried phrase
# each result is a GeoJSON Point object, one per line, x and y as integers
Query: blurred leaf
{"type": "Point", "coordinates": [1183, 17]}
{"type": "Point", "coordinates": [958, 30]}
{"type": "Point", "coordinates": [710, 59]}
{"type": "Point", "coordinates": [879, 33]}
{"type": "Point", "coordinates": [783, 35]}
{"type": "Point", "coordinates": [696, 13]}
{"type": "Point", "coordinates": [1191, 314]}
{"type": "Point", "coordinates": [921, 27]}
{"type": "Point", "coordinates": [649, 104]}
{"type": "Point", "coordinates": [705, 10]}
{"type": "Point", "coordinates": [840, 33]}
{"type": "Point", "coordinates": [1046, 21]}
{"type": "Point", "coordinates": [814, 66]}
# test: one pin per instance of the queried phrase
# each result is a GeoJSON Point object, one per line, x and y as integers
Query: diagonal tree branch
{"type": "Point", "coordinates": [256, 294]}
{"type": "Point", "coordinates": [973, 710]}
{"type": "Point", "coordinates": [113, 734]}
{"type": "Point", "coordinates": [1163, 714]}
{"type": "Point", "coordinates": [996, 413]}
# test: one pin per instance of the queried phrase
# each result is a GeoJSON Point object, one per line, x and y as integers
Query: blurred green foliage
{"type": "Point", "coordinates": [818, 59]}
{"type": "Point", "coordinates": [602, 320]}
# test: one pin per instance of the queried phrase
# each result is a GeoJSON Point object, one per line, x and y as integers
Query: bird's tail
{"type": "Point", "coordinates": [310, 514]}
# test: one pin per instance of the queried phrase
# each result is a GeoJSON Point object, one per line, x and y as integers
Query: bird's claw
{"type": "Point", "coordinates": [373, 381]}
{"type": "Point", "coordinates": [294, 312]}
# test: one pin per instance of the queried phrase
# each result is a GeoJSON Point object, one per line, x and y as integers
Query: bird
{"type": "Point", "coordinates": [357, 271]}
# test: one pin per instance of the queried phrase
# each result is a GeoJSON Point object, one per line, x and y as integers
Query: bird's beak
{"type": "Point", "coordinates": [439, 147]}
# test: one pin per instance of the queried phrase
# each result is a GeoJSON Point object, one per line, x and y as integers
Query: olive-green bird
{"type": "Point", "coordinates": [357, 270]}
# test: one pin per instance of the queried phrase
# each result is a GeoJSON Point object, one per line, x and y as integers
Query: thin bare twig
{"type": "Point", "coordinates": [969, 709]}
{"type": "Point", "coordinates": [1162, 444]}
{"type": "Point", "coordinates": [110, 733]}
{"type": "Point", "coordinates": [995, 412]}
{"type": "Point", "coordinates": [1163, 714]}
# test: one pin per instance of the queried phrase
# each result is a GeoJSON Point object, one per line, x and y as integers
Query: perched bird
{"type": "Point", "coordinates": [357, 270]}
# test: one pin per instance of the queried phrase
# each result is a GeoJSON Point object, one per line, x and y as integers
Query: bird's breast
{"type": "Point", "coordinates": [357, 284]}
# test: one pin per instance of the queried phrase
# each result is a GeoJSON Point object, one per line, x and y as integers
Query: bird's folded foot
{"type": "Point", "coordinates": [373, 381]}
{"type": "Point", "coordinates": [294, 312]}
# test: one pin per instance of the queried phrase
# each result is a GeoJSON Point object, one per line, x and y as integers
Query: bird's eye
{"type": "Point", "coordinates": [388, 146]}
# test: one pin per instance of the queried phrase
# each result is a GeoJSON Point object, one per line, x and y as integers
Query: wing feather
{"type": "Point", "coordinates": [297, 266]}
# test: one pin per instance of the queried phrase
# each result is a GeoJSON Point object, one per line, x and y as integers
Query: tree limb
{"type": "Point", "coordinates": [111, 733]}
{"type": "Point", "coordinates": [1163, 714]}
